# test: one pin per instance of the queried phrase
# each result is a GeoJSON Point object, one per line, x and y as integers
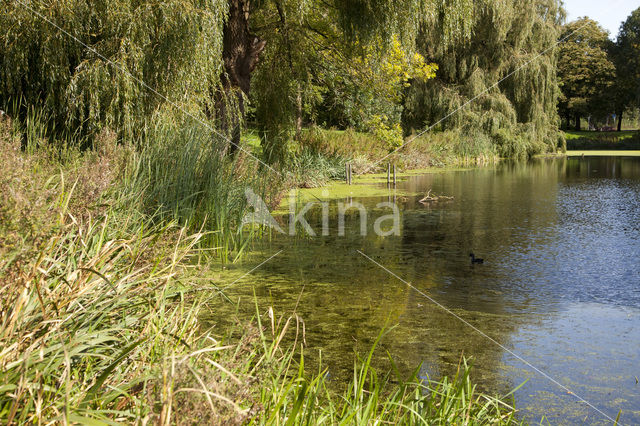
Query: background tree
{"type": "Point", "coordinates": [585, 71]}
{"type": "Point", "coordinates": [518, 117]}
{"type": "Point", "coordinates": [340, 63]}
{"type": "Point", "coordinates": [367, 64]}
{"type": "Point", "coordinates": [626, 54]}
{"type": "Point", "coordinates": [173, 46]}
{"type": "Point", "coordinates": [240, 55]}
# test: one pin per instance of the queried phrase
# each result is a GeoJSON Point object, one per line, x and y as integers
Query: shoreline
{"type": "Point", "coordinates": [136, 287]}
{"type": "Point", "coordinates": [367, 185]}
{"type": "Point", "coordinates": [364, 185]}
{"type": "Point", "coordinates": [603, 153]}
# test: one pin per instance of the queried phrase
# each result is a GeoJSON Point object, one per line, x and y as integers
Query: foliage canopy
{"type": "Point", "coordinates": [499, 75]}
{"type": "Point", "coordinates": [626, 56]}
{"type": "Point", "coordinates": [81, 63]}
{"type": "Point", "coordinates": [585, 71]}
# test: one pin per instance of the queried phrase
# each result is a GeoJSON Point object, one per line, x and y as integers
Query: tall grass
{"type": "Point", "coordinates": [184, 175]}
{"type": "Point", "coordinates": [101, 324]}
{"type": "Point", "coordinates": [95, 322]}
{"type": "Point", "coordinates": [177, 171]}
{"type": "Point", "coordinates": [433, 149]}
{"type": "Point", "coordinates": [314, 168]}
{"type": "Point", "coordinates": [87, 315]}
{"type": "Point", "coordinates": [94, 332]}
{"type": "Point", "coordinates": [360, 149]}
{"type": "Point", "coordinates": [293, 397]}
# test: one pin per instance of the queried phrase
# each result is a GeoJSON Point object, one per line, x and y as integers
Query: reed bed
{"type": "Point", "coordinates": [88, 323]}
{"type": "Point", "coordinates": [184, 174]}
{"type": "Point", "coordinates": [364, 151]}
{"type": "Point", "coordinates": [295, 397]}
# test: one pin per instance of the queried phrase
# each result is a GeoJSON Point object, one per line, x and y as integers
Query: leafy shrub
{"type": "Point", "coordinates": [390, 135]}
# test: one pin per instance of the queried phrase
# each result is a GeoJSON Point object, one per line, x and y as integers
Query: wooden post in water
{"type": "Point", "coordinates": [388, 175]}
{"type": "Point", "coordinates": [394, 175]}
{"type": "Point", "coordinates": [346, 173]}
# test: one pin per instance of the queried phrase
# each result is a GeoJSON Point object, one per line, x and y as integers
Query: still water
{"type": "Point", "coordinates": [560, 285]}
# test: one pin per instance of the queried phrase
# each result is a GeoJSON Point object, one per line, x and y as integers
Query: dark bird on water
{"type": "Point", "coordinates": [475, 260]}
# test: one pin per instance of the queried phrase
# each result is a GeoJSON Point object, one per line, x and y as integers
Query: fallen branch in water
{"type": "Point", "coordinates": [428, 198]}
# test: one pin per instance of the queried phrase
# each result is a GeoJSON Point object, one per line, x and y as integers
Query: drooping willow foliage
{"type": "Point", "coordinates": [328, 61]}
{"type": "Point", "coordinates": [173, 46]}
{"type": "Point", "coordinates": [335, 62]}
{"type": "Point", "coordinates": [365, 19]}
{"type": "Point", "coordinates": [510, 40]}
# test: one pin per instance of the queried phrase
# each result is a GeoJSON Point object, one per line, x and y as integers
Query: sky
{"type": "Point", "coordinates": [609, 13]}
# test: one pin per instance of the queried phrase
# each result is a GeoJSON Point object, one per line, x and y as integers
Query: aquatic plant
{"type": "Point", "coordinates": [371, 398]}
{"type": "Point", "coordinates": [183, 175]}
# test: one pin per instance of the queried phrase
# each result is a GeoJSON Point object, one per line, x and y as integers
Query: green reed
{"type": "Point", "coordinates": [294, 397]}
{"type": "Point", "coordinates": [185, 174]}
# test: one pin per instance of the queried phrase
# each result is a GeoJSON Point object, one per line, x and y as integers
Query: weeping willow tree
{"type": "Point", "coordinates": [351, 59]}
{"type": "Point", "coordinates": [81, 63]}
{"type": "Point", "coordinates": [338, 61]}
{"type": "Point", "coordinates": [500, 39]}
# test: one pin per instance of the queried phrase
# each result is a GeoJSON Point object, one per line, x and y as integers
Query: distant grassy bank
{"type": "Point", "coordinates": [321, 154]}
{"type": "Point", "coordinates": [591, 140]}
{"type": "Point", "coordinates": [602, 153]}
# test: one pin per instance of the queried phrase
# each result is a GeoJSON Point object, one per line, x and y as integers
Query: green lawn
{"type": "Point", "coordinates": [603, 153]}
{"type": "Point", "coordinates": [608, 141]}
{"type": "Point", "coordinates": [573, 135]}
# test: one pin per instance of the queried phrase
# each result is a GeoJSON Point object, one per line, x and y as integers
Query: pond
{"type": "Point", "coordinates": [559, 287]}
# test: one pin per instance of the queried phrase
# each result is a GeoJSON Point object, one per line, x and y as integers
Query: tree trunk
{"type": "Point", "coordinates": [287, 38]}
{"type": "Point", "coordinates": [620, 120]}
{"type": "Point", "coordinates": [578, 122]}
{"type": "Point", "coordinates": [241, 53]}
{"type": "Point", "coordinates": [299, 113]}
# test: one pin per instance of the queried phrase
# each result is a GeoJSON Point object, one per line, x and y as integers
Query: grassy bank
{"type": "Point", "coordinates": [321, 155]}
{"type": "Point", "coordinates": [612, 141]}
{"type": "Point", "coordinates": [365, 151]}
{"type": "Point", "coordinates": [601, 153]}
{"type": "Point", "coordinates": [101, 300]}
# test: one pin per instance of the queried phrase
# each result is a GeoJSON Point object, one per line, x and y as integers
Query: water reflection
{"type": "Point", "coordinates": [560, 284]}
